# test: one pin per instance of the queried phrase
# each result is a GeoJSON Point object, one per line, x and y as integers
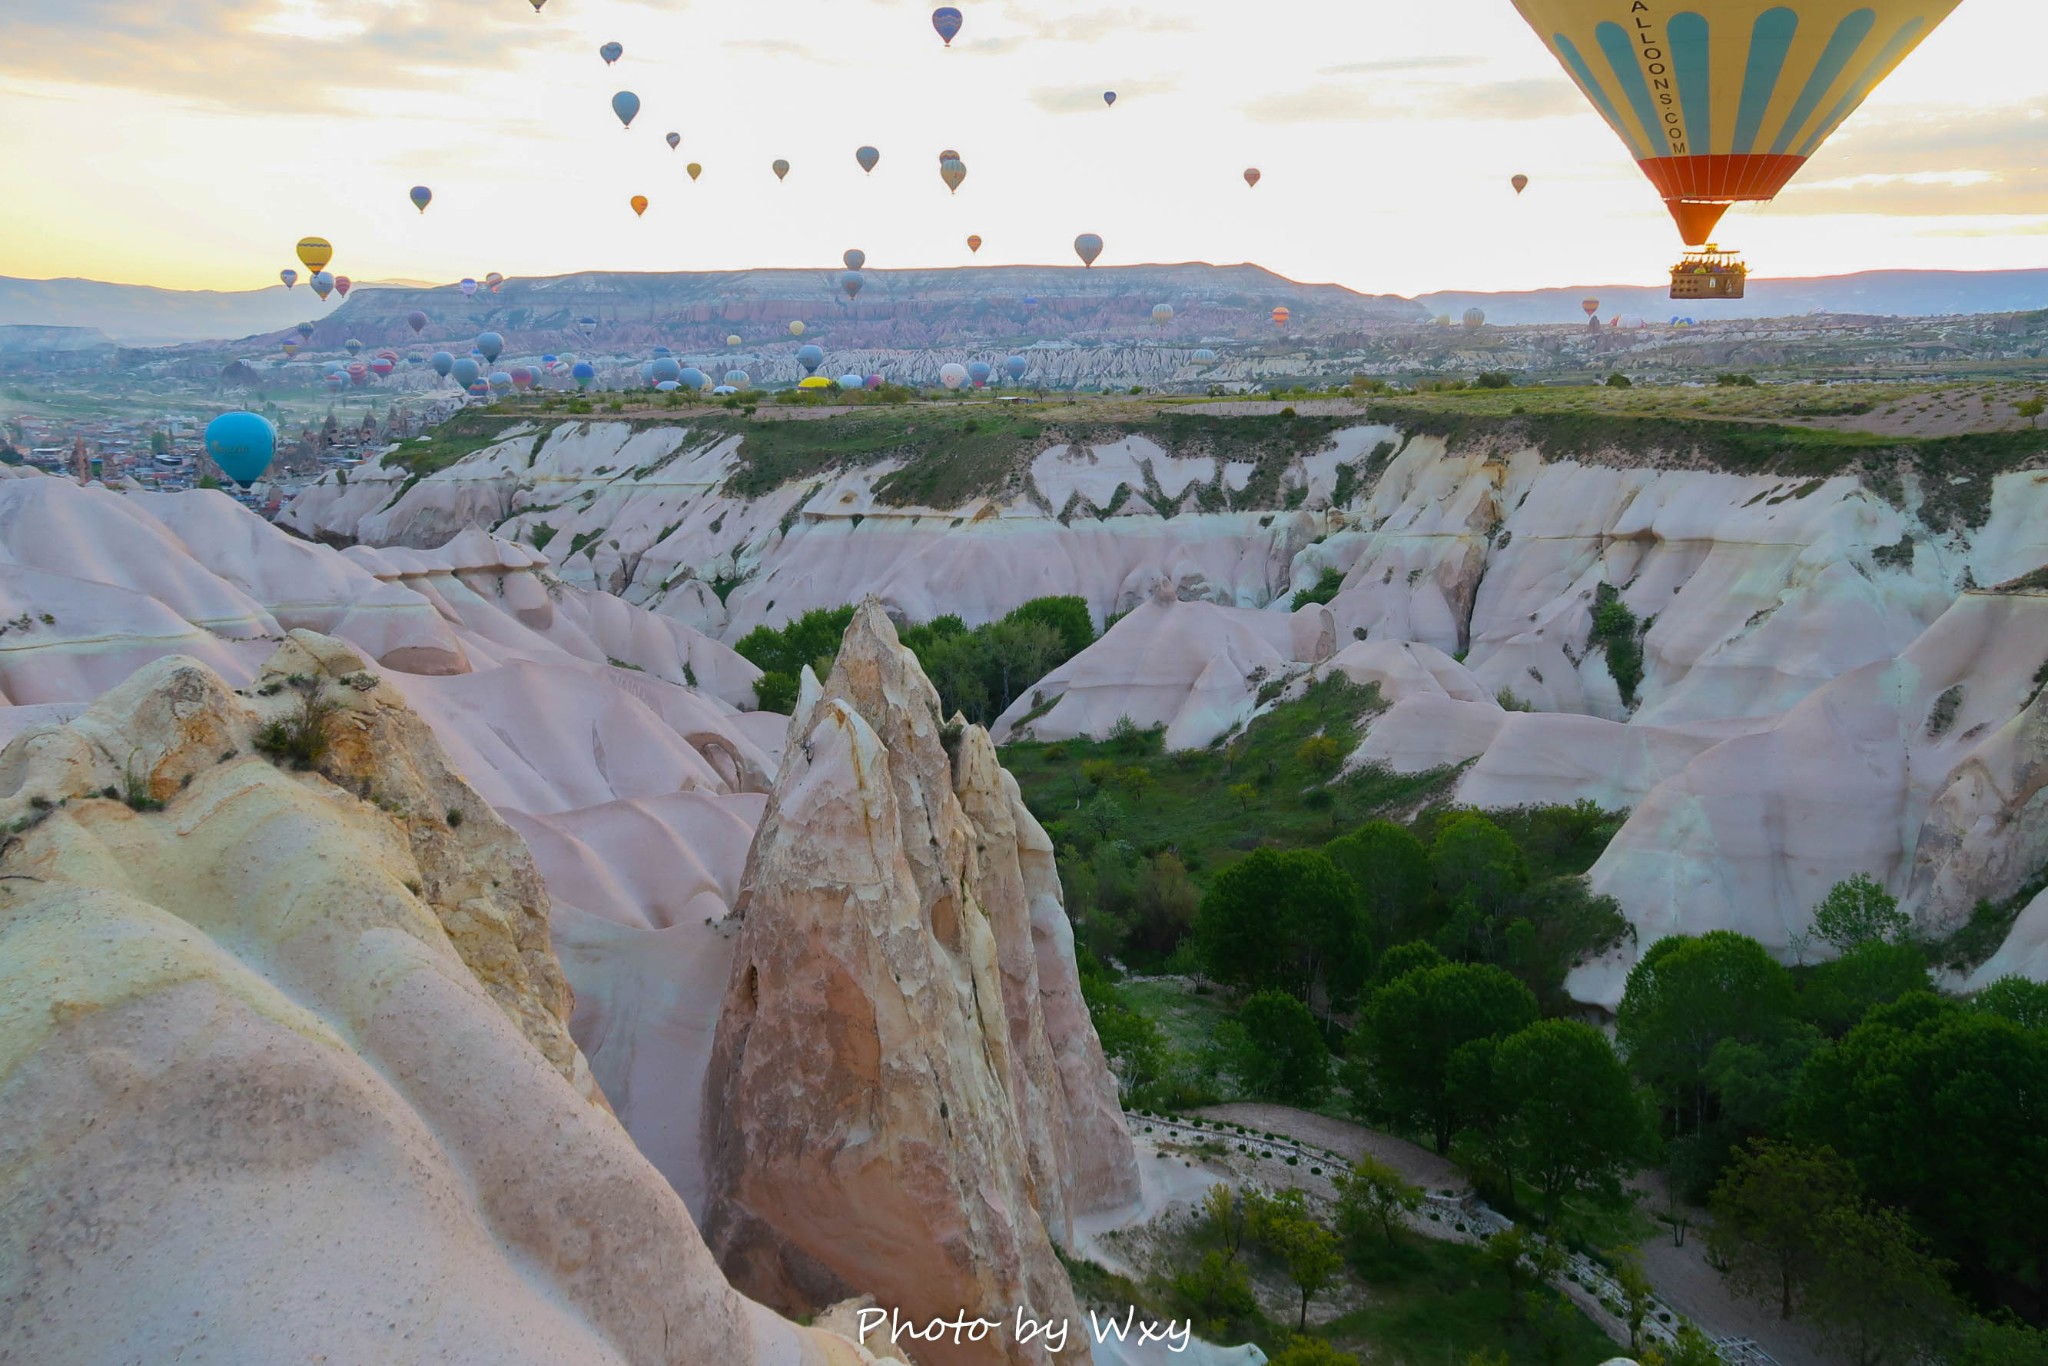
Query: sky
{"type": "Point", "coordinates": [191, 144]}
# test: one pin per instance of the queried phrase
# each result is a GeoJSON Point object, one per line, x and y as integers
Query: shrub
{"type": "Point", "coordinates": [303, 737]}
{"type": "Point", "coordinates": [1620, 381]}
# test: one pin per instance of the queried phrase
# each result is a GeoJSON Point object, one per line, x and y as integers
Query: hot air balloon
{"type": "Point", "coordinates": [855, 258]}
{"type": "Point", "coordinates": [693, 379]}
{"type": "Point", "coordinates": [667, 371]}
{"type": "Point", "coordinates": [315, 253]}
{"type": "Point", "coordinates": [290, 277]}
{"type": "Point", "coordinates": [1475, 318]}
{"type": "Point", "coordinates": [417, 321]}
{"type": "Point", "coordinates": [979, 371]}
{"type": "Point", "coordinates": [626, 105]}
{"type": "Point", "coordinates": [383, 366]}
{"type": "Point", "coordinates": [1592, 306]}
{"type": "Point", "coordinates": [1162, 314]}
{"type": "Point", "coordinates": [953, 375]}
{"type": "Point", "coordinates": [1723, 103]}
{"type": "Point", "coordinates": [489, 345]}
{"type": "Point", "coordinates": [523, 378]}
{"type": "Point", "coordinates": [974, 241]}
{"type": "Point", "coordinates": [732, 340]}
{"type": "Point", "coordinates": [1087, 246]}
{"type": "Point", "coordinates": [695, 169]}
{"type": "Point", "coordinates": [1251, 175]}
{"type": "Point", "coordinates": [949, 155]}
{"type": "Point", "coordinates": [796, 329]}
{"type": "Point", "coordinates": [874, 381]}
{"type": "Point", "coordinates": [583, 373]}
{"type": "Point", "coordinates": [421, 197]}
{"type": "Point", "coordinates": [1281, 315]}
{"type": "Point", "coordinates": [1520, 182]}
{"type": "Point", "coordinates": [1205, 355]}
{"type": "Point", "coordinates": [242, 444]}
{"type": "Point", "coordinates": [639, 203]}
{"type": "Point", "coordinates": [1016, 366]}
{"type": "Point", "coordinates": [480, 389]}
{"type": "Point", "coordinates": [851, 282]}
{"type": "Point", "coordinates": [588, 327]}
{"type": "Point", "coordinates": [501, 382]}
{"type": "Point", "coordinates": [305, 331]}
{"type": "Point", "coordinates": [442, 363]}
{"type": "Point", "coordinates": [1109, 97]}
{"type": "Point", "coordinates": [468, 288]}
{"type": "Point", "coordinates": [869, 158]}
{"type": "Point", "coordinates": [359, 374]}
{"type": "Point", "coordinates": [537, 5]}
{"type": "Point", "coordinates": [947, 21]}
{"type": "Point", "coordinates": [953, 170]}
{"type": "Point", "coordinates": [492, 281]}
{"type": "Point", "coordinates": [781, 169]}
{"type": "Point", "coordinates": [667, 386]}
{"type": "Point", "coordinates": [291, 348]}
{"type": "Point", "coordinates": [810, 358]}
{"type": "Point", "coordinates": [322, 283]}
{"type": "Point", "coordinates": [353, 347]}
{"type": "Point", "coordinates": [1031, 302]}
{"type": "Point", "coordinates": [662, 351]}
{"type": "Point", "coordinates": [342, 285]}
{"type": "Point", "coordinates": [611, 52]}
{"type": "Point", "coordinates": [337, 382]}
{"type": "Point", "coordinates": [674, 140]}
{"type": "Point", "coordinates": [738, 379]}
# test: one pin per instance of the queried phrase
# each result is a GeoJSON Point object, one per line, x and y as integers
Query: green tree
{"type": "Point", "coordinates": [1858, 911]}
{"type": "Point", "coordinates": [1637, 1294]}
{"type": "Point", "coordinates": [1216, 1295]}
{"type": "Point", "coordinates": [1320, 754]}
{"type": "Point", "coordinates": [1392, 871]}
{"type": "Point", "coordinates": [1164, 903]}
{"type": "Point", "coordinates": [1768, 1214]}
{"type": "Point", "coordinates": [1133, 1043]}
{"type": "Point", "coordinates": [1475, 863]}
{"type": "Point", "coordinates": [2003, 1341]}
{"type": "Point", "coordinates": [1400, 1055]}
{"type": "Point", "coordinates": [1223, 1218]}
{"type": "Point", "coordinates": [1103, 815]}
{"type": "Point", "coordinates": [1836, 996]}
{"type": "Point", "coordinates": [1687, 994]}
{"type": "Point", "coordinates": [1307, 1351]}
{"type": "Point", "coordinates": [1880, 1297]}
{"type": "Point", "coordinates": [1244, 794]}
{"type": "Point", "coordinates": [1510, 1253]}
{"type": "Point", "coordinates": [2015, 998]}
{"type": "Point", "coordinates": [1402, 959]}
{"type": "Point", "coordinates": [1372, 1197]}
{"type": "Point", "coordinates": [1313, 1259]}
{"type": "Point", "coordinates": [1134, 781]}
{"type": "Point", "coordinates": [1693, 1348]}
{"type": "Point", "coordinates": [776, 691]}
{"type": "Point", "coordinates": [1286, 920]}
{"type": "Point", "coordinates": [1576, 1126]}
{"type": "Point", "coordinates": [812, 638]}
{"type": "Point", "coordinates": [1281, 1056]}
{"type": "Point", "coordinates": [1068, 617]}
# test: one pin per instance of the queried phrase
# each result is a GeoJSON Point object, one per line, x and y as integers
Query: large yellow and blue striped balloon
{"type": "Point", "coordinates": [1723, 101]}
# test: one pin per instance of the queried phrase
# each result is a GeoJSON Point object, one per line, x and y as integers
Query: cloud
{"type": "Point", "coordinates": [772, 47]}
{"type": "Point", "coordinates": [1346, 102]}
{"type": "Point", "coordinates": [1066, 99]}
{"type": "Point", "coordinates": [1440, 63]}
{"type": "Point", "coordinates": [1931, 161]}
{"type": "Point", "coordinates": [1085, 26]}
{"type": "Point", "coordinates": [273, 56]}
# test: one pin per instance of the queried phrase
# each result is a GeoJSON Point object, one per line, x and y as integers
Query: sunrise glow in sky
{"type": "Point", "coordinates": [190, 144]}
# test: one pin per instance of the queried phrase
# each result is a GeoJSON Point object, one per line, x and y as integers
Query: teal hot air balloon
{"type": "Point", "coordinates": [421, 197]}
{"type": "Point", "coordinates": [626, 105]}
{"type": "Point", "coordinates": [491, 345]}
{"type": "Point", "coordinates": [242, 444]}
{"type": "Point", "coordinates": [693, 379]}
{"type": "Point", "coordinates": [442, 363]}
{"type": "Point", "coordinates": [666, 371]}
{"type": "Point", "coordinates": [869, 158]}
{"type": "Point", "coordinates": [583, 372]}
{"type": "Point", "coordinates": [855, 258]}
{"type": "Point", "coordinates": [1016, 366]}
{"type": "Point", "coordinates": [852, 382]}
{"type": "Point", "coordinates": [851, 282]}
{"type": "Point", "coordinates": [979, 371]}
{"type": "Point", "coordinates": [810, 358]}
{"type": "Point", "coordinates": [467, 371]}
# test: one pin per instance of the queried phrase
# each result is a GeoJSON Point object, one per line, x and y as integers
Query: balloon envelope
{"type": "Point", "coordinates": [947, 21]}
{"type": "Point", "coordinates": [979, 371]}
{"type": "Point", "coordinates": [421, 197]}
{"type": "Point", "coordinates": [1592, 306]}
{"type": "Point", "coordinates": [851, 282]}
{"type": "Point", "coordinates": [869, 158]}
{"type": "Point", "coordinates": [352, 346]}
{"type": "Point", "coordinates": [315, 253]}
{"type": "Point", "coordinates": [1251, 175]}
{"type": "Point", "coordinates": [417, 321]}
{"type": "Point", "coordinates": [855, 258]}
{"type": "Point", "coordinates": [1109, 97]}
{"type": "Point", "coordinates": [1087, 246]}
{"type": "Point", "coordinates": [674, 141]}
{"type": "Point", "coordinates": [666, 371]}
{"type": "Point", "coordinates": [953, 375]}
{"type": "Point", "coordinates": [810, 358]}
{"type": "Point", "coordinates": [1520, 182]}
{"type": "Point", "coordinates": [626, 105]}
{"type": "Point", "coordinates": [290, 277]}
{"type": "Point", "coordinates": [738, 379]}
{"type": "Point", "coordinates": [466, 371]}
{"type": "Point", "coordinates": [1724, 102]}
{"type": "Point", "coordinates": [781, 169]}
{"type": "Point", "coordinates": [490, 344]}
{"type": "Point", "coordinates": [468, 288]}
{"type": "Point", "coordinates": [305, 331]}
{"type": "Point", "coordinates": [639, 202]}
{"type": "Point", "coordinates": [851, 382]}
{"type": "Point", "coordinates": [1016, 366]}
{"type": "Point", "coordinates": [500, 382]}
{"type": "Point", "coordinates": [974, 242]}
{"type": "Point", "coordinates": [693, 379]}
{"type": "Point", "coordinates": [1281, 315]}
{"type": "Point", "coordinates": [342, 285]}
{"type": "Point", "coordinates": [694, 169]}
{"type": "Point", "coordinates": [1475, 318]}
{"type": "Point", "coordinates": [611, 52]}
{"type": "Point", "coordinates": [442, 363]}
{"type": "Point", "coordinates": [242, 444]}
{"type": "Point", "coordinates": [583, 373]}
{"type": "Point", "coordinates": [1162, 314]}
{"type": "Point", "coordinates": [796, 329]}
{"type": "Point", "coordinates": [953, 171]}
{"type": "Point", "coordinates": [322, 283]}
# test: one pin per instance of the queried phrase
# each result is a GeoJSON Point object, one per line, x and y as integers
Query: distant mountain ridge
{"type": "Point", "coordinates": [924, 307]}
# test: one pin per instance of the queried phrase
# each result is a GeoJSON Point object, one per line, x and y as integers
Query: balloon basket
{"type": "Point", "coordinates": [1709, 273]}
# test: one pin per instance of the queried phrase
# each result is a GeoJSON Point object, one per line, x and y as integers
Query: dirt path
{"type": "Point", "coordinates": [1681, 1275]}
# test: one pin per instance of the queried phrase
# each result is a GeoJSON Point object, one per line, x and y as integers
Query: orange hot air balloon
{"type": "Point", "coordinates": [1592, 306]}
{"type": "Point", "coordinates": [1281, 315]}
{"type": "Point", "coordinates": [1520, 182]}
{"type": "Point", "coordinates": [1722, 101]}
{"type": "Point", "coordinates": [974, 242]}
{"type": "Point", "coordinates": [639, 204]}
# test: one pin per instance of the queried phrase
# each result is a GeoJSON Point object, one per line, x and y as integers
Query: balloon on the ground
{"type": "Point", "coordinates": [1475, 318]}
{"type": "Point", "coordinates": [979, 371]}
{"type": "Point", "coordinates": [667, 371]}
{"type": "Point", "coordinates": [490, 344]}
{"type": "Point", "coordinates": [1015, 366]}
{"type": "Point", "coordinates": [953, 375]}
{"type": "Point", "coordinates": [814, 382]}
{"type": "Point", "coordinates": [851, 382]}
{"type": "Point", "coordinates": [315, 253]}
{"type": "Point", "coordinates": [947, 21]}
{"type": "Point", "coordinates": [522, 378]}
{"type": "Point", "coordinates": [242, 444]}
{"type": "Point", "coordinates": [1087, 246]}
{"type": "Point", "coordinates": [421, 197]}
{"type": "Point", "coordinates": [738, 379]}
{"type": "Point", "coordinates": [1723, 103]}
{"type": "Point", "coordinates": [855, 258]}
{"type": "Point", "coordinates": [583, 372]}
{"type": "Point", "coordinates": [290, 277]}
{"type": "Point", "coordinates": [732, 339]}
{"type": "Point", "coordinates": [501, 382]}
{"type": "Point", "coordinates": [869, 158]}
{"type": "Point", "coordinates": [1205, 355]}
{"type": "Point", "coordinates": [693, 379]}
{"type": "Point", "coordinates": [626, 105]}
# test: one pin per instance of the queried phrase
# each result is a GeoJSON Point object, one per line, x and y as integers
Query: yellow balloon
{"type": "Point", "coordinates": [315, 253]}
{"type": "Point", "coordinates": [695, 170]}
{"type": "Point", "coordinates": [639, 204]}
{"type": "Point", "coordinates": [1725, 101]}
{"type": "Point", "coordinates": [796, 329]}
{"type": "Point", "coordinates": [732, 340]}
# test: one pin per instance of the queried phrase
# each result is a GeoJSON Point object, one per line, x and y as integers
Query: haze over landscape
{"type": "Point", "coordinates": [830, 682]}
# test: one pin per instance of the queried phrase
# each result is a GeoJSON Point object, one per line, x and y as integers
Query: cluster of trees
{"type": "Point", "coordinates": [1217, 1292]}
{"type": "Point", "coordinates": [978, 671]}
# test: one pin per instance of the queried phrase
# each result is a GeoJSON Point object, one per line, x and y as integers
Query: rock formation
{"type": "Point", "coordinates": [905, 1097]}
{"type": "Point", "coordinates": [284, 1057]}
